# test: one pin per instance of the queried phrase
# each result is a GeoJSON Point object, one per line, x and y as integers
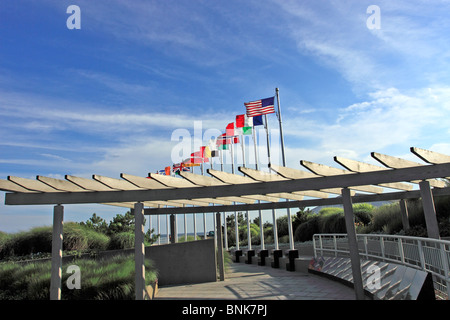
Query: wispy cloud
{"type": "Point", "coordinates": [390, 118]}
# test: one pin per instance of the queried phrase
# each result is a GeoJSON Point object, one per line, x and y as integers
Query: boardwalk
{"type": "Point", "coordinates": [252, 282]}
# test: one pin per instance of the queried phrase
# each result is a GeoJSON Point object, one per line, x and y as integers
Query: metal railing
{"type": "Point", "coordinates": [426, 254]}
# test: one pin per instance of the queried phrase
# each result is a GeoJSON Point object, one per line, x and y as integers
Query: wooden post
{"type": "Point", "coordinates": [139, 251]}
{"type": "Point", "coordinates": [220, 247]}
{"type": "Point", "coordinates": [429, 210]}
{"type": "Point", "coordinates": [353, 244]}
{"type": "Point", "coordinates": [57, 242]}
{"type": "Point", "coordinates": [404, 213]}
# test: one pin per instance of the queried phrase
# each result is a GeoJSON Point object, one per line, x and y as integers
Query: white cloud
{"type": "Point", "coordinates": [391, 118]}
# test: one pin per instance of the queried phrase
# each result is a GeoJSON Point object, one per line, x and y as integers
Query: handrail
{"type": "Point", "coordinates": [427, 254]}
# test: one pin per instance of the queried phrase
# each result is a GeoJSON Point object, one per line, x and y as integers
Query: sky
{"type": "Point", "coordinates": [119, 92]}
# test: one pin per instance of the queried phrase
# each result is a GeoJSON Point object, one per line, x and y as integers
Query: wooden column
{"type": "Point", "coordinates": [404, 213]}
{"type": "Point", "coordinates": [429, 210]}
{"type": "Point", "coordinates": [220, 247]}
{"type": "Point", "coordinates": [139, 251]}
{"type": "Point", "coordinates": [353, 244]}
{"type": "Point", "coordinates": [57, 243]}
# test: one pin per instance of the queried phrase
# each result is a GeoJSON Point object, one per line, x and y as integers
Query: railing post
{"type": "Point", "coordinates": [400, 250]}
{"type": "Point", "coordinates": [382, 247]}
{"type": "Point", "coordinates": [314, 246]}
{"type": "Point", "coordinates": [365, 248]}
{"type": "Point", "coordinates": [321, 244]}
{"type": "Point", "coordinates": [421, 255]}
{"type": "Point", "coordinates": [335, 245]}
{"type": "Point", "coordinates": [445, 266]}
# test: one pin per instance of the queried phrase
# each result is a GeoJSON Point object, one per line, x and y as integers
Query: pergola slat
{"type": "Point", "coordinates": [34, 185]}
{"type": "Point", "coordinates": [399, 163]}
{"type": "Point", "coordinates": [291, 173]}
{"type": "Point", "coordinates": [326, 171]}
{"type": "Point", "coordinates": [357, 166]}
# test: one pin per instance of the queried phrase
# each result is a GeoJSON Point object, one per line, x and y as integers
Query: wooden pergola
{"type": "Point", "coordinates": [224, 192]}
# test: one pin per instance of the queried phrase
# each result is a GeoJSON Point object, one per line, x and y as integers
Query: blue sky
{"type": "Point", "coordinates": [106, 98]}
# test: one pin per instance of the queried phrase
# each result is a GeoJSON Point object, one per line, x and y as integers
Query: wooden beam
{"type": "Point", "coordinates": [430, 156]}
{"type": "Point", "coordinates": [118, 184]}
{"type": "Point", "coordinates": [32, 184]}
{"type": "Point", "coordinates": [399, 163]}
{"type": "Point", "coordinates": [6, 185]}
{"type": "Point", "coordinates": [290, 173]}
{"type": "Point", "coordinates": [339, 181]}
{"type": "Point", "coordinates": [88, 184]}
{"type": "Point", "coordinates": [357, 166]}
{"type": "Point", "coordinates": [59, 184]}
{"type": "Point", "coordinates": [323, 170]}
{"type": "Point", "coordinates": [391, 196]}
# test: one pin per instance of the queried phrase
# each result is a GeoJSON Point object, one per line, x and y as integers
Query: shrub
{"type": "Point", "coordinates": [306, 230]}
{"type": "Point", "coordinates": [333, 223]}
{"type": "Point", "coordinates": [122, 240]}
{"type": "Point", "coordinates": [82, 238]}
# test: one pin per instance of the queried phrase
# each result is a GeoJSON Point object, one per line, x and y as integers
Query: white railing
{"type": "Point", "coordinates": [426, 254]}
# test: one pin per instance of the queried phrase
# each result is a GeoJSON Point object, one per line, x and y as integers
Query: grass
{"type": "Point", "coordinates": [105, 279]}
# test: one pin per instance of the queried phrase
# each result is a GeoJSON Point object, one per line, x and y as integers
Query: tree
{"type": "Point", "coordinates": [96, 223]}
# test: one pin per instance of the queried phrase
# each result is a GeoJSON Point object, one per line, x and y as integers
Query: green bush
{"type": "Point", "coordinates": [333, 223]}
{"type": "Point", "coordinates": [122, 240]}
{"type": "Point", "coordinates": [82, 238]}
{"type": "Point", "coordinates": [306, 230]}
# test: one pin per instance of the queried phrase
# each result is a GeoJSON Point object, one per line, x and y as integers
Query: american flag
{"type": "Point", "coordinates": [259, 107]}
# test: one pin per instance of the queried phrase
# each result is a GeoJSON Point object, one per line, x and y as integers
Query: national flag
{"type": "Point", "coordinates": [230, 129]}
{"type": "Point", "coordinates": [176, 168]}
{"type": "Point", "coordinates": [240, 121]}
{"type": "Point", "coordinates": [163, 172]}
{"type": "Point", "coordinates": [244, 125]}
{"type": "Point", "coordinates": [196, 157]}
{"type": "Point", "coordinates": [189, 163]}
{"type": "Point", "coordinates": [222, 140]}
{"type": "Point", "coordinates": [214, 153]}
{"type": "Point", "coordinates": [260, 107]}
{"type": "Point", "coordinates": [206, 152]}
{"type": "Point", "coordinates": [257, 121]}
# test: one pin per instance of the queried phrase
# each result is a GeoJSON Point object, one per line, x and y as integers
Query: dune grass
{"type": "Point", "coordinates": [104, 279]}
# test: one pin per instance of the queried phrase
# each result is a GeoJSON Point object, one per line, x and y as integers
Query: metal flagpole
{"type": "Point", "coordinates": [274, 215]}
{"type": "Point", "coordinates": [236, 229]}
{"type": "Point", "coordinates": [283, 157]}
{"type": "Point", "coordinates": [224, 214]}
{"type": "Point", "coordinates": [204, 214]}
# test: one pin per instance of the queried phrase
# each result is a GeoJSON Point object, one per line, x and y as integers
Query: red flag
{"type": "Point", "coordinates": [223, 139]}
{"type": "Point", "coordinates": [240, 121]}
{"type": "Point", "coordinates": [230, 129]}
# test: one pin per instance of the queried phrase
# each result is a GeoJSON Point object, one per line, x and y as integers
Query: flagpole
{"type": "Point", "coordinates": [266, 126]}
{"type": "Point", "coordinates": [255, 147]}
{"type": "Point", "coordinates": [283, 157]}
{"type": "Point", "coordinates": [225, 236]}
{"type": "Point", "coordinates": [236, 227]}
